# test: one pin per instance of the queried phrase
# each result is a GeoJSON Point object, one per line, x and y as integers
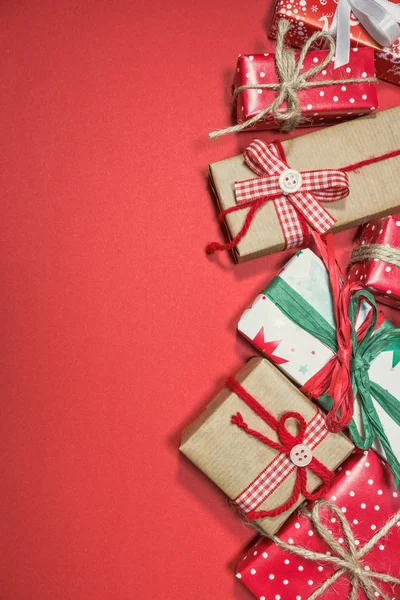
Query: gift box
{"type": "Point", "coordinates": [319, 105]}
{"type": "Point", "coordinates": [242, 444]}
{"type": "Point", "coordinates": [277, 324]}
{"type": "Point", "coordinates": [366, 498]}
{"type": "Point", "coordinates": [279, 218]}
{"type": "Point", "coordinates": [375, 261]}
{"type": "Point", "coordinates": [306, 18]}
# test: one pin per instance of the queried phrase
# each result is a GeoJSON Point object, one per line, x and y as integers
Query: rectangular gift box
{"type": "Point", "coordinates": [319, 106]}
{"type": "Point", "coordinates": [309, 17]}
{"type": "Point", "coordinates": [373, 188]}
{"type": "Point", "coordinates": [235, 460]}
{"type": "Point", "coordinates": [378, 274]}
{"type": "Point", "coordinates": [365, 494]}
{"type": "Point", "coordinates": [299, 354]}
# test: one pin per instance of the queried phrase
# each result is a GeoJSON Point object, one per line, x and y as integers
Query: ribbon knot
{"type": "Point", "coordinates": [344, 356]}
{"type": "Point", "coordinates": [288, 440]}
{"type": "Point", "coordinates": [344, 557]}
{"type": "Point", "coordinates": [360, 363]}
{"type": "Point", "coordinates": [310, 434]}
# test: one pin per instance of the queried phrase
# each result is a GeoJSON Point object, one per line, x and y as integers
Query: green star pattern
{"type": "Point", "coordinates": [395, 348]}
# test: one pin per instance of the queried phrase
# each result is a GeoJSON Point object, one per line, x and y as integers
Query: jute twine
{"type": "Point", "coordinates": [347, 559]}
{"type": "Point", "coordinates": [290, 82]}
{"type": "Point", "coordinates": [368, 251]}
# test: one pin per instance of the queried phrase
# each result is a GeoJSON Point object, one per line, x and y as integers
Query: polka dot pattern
{"type": "Point", "coordinates": [332, 103]}
{"type": "Point", "coordinates": [287, 576]}
{"type": "Point", "coordinates": [381, 278]}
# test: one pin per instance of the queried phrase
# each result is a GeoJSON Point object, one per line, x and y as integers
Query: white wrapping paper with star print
{"type": "Point", "coordinates": [299, 354]}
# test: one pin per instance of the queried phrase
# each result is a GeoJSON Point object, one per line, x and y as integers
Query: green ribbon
{"type": "Point", "coordinates": [302, 314]}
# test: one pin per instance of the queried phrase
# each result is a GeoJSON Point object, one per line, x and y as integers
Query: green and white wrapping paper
{"type": "Point", "coordinates": [299, 354]}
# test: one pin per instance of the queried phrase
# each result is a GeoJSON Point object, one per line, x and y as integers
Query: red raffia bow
{"type": "Point", "coordinates": [310, 434]}
{"type": "Point", "coordinates": [294, 209]}
{"type": "Point", "coordinates": [335, 377]}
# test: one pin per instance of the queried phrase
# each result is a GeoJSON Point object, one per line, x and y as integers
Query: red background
{"type": "Point", "coordinates": [116, 329]}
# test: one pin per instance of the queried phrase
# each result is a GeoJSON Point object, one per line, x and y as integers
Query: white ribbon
{"type": "Point", "coordinates": [379, 17]}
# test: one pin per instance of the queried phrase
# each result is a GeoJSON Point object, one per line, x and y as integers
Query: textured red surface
{"type": "Point", "coordinates": [116, 329]}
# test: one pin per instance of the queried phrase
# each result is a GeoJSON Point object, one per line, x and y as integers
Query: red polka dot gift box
{"type": "Point", "coordinates": [265, 445]}
{"type": "Point", "coordinates": [323, 105]}
{"type": "Point", "coordinates": [273, 194]}
{"type": "Point", "coordinates": [346, 546]}
{"type": "Point", "coordinates": [375, 261]}
{"type": "Point", "coordinates": [370, 25]}
{"type": "Point", "coordinates": [294, 322]}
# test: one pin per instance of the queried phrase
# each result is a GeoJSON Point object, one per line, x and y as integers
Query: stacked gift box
{"type": "Point", "coordinates": [304, 439]}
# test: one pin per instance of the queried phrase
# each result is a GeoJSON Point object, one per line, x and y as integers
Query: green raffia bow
{"type": "Point", "coordinates": [302, 314]}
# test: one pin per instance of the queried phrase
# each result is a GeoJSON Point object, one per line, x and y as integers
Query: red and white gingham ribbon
{"type": "Point", "coordinates": [308, 437]}
{"type": "Point", "coordinates": [279, 469]}
{"type": "Point", "coordinates": [327, 185]}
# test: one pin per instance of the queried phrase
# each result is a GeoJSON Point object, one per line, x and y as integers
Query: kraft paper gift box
{"type": "Point", "coordinates": [365, 494]}
{"type": "Point", "coordinates": [236, 461]}
{"type": "Point", "coordinates": [299, 354]}
{"type": "Point", "coordinates": [374, 188]}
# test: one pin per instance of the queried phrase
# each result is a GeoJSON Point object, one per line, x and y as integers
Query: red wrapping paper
{"type": "Point", "coordinates": [309, 16]}
{"type": "Point", "coordinates": [319, 106]}
{"type": "Point", "coordinates": [380, 277]}
{"type": "Point", "coordinates": [365, 492]}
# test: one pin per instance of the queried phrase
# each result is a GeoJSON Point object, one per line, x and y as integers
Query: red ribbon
{"type": "Point", "coordinates": [286, 444]}
{"type": "Point", "coordinates": [335, 377]}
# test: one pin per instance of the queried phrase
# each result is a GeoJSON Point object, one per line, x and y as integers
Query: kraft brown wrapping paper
{"type": "Point", "coordinates": [374, 189]}
{"type": "Point", "coordinates": [232, 459]}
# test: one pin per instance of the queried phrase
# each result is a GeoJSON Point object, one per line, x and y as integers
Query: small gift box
{"type": "Point", "coordinates": [349, 541]}
{"type": "Point", "coordinates": [265, 445]}
{"type": "Point", "coordinates": [375, 261]}
{"type": "Point", "coordinates": [292, 322]}
{"type": "Point", "coordinates": [318, 105]}
{"type": "Point", "coordinates": [330, 179]}
{"type": "Point", "coordinates": [307, 18]}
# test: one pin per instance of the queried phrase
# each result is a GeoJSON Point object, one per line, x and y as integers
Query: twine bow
{"type": "Point", "coordinates": [291, 80]}
{"type": "Point", "coordinates": [294, 209]}
{"type": "Point", "coordinates": [310, 434]}
{"type": "Point", "coordinates": [347, 559]}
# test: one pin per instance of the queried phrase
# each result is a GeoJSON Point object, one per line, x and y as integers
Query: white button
{"type": "Point", "coordinates": [290, 181]}
{"type": "Point", "coordinates": [301, 455]}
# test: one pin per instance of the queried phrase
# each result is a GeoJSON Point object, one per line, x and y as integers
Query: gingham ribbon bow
{"type": "Point", "coordinates": [309, 436]}
{"type": "Point", "coordinates": [275, 182]}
